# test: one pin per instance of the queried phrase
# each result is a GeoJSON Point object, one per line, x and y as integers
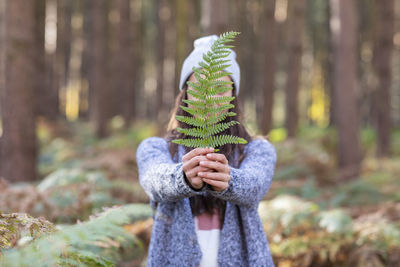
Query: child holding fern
{"type": "Point", "coordinates": [205, 202]}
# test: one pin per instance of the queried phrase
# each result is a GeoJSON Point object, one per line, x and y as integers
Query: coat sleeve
{"type": "Point", "coordinates": [251, 181]}
{"type": "Point", "coordinates": [161, 178]}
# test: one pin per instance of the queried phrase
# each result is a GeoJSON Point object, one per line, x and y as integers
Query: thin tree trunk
{"type": "Point", "coordinates": [269, 66]}
{"type": "Point", "coordinates": [40, 16]}
{"type": "Point", "coordinates": [85, 93]}
{"type": "Point", "coordinates": [239, 20]}
{"type": "Point", "coordinates": [2, 67]}
{"type": "Point", "coordinates": [382, 62]}
{"type": "Point", "coordinates": [98, 81]}
{"type": "Point", "coordinates": [137, 58]}
{"type": "Point", "coordinates": [344, 32]}
{"type": "Point", "coordinates": [63, 49]}
{"type": "Point", "coordinates": [171, 75]}
{"type": "Point", "coordinates": [48, 98]}
{"type": "Point", "coordinates": [19, 143]}
{"type": "Point", "coordinates": [296, 10]}
{"type": "Point", "coordinates": [160, 44]}
{"type": "Point", "coordinates": [181, 35]}
{"type": "Point", "coordinates": [125, 63]}
{"type": "Point", "coordinates": [328, 70]}
{"type": "Point", "coordinates": [214, 18]}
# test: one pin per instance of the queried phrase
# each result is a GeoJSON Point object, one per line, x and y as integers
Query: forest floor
{"type": "Point", "coordinates": [310, 215]}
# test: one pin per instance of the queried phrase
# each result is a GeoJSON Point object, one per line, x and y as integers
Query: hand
{"type": "Point", "coordinates": [191, 166]}
{"type": "Point", "coordinates": [219, 179]}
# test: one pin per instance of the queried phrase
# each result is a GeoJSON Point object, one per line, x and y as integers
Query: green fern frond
{"type": "Point", "coordinates": [217, 128]}
{"type": "Point", "coordinates": [215, 118]}
{"type": "Point", "coordinates": [196, 94]}
{"type": "Point", "coordinates": [203, 133]}
{"type": "Point", "coordinates": [219, 90]}
{"type": "Point", "coordinates": [97, 242]}
{"type": "Point", "coordinates": [191, 121]}
{"type": "Point", "coordinates": [202, 112]}
{"type": "Point", "coordinates": [194, 103]}
{"type": "Point", "coordinates": [196, 132]}
{"type": "Point", "coordinates": [191, 142]}
{"type": "Point", "coordinates": [219, 99]}
{"type": "Point", "coordinates": [208, 110]}
{"type": "Point", "coordinates": [227, 139]}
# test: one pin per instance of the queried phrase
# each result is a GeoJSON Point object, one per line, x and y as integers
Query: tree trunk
{"type": "Point", "coordinates": [329, 70]}
{"type": "Point", "coordinates": [181, 43]}
{"type": "Point", "coordinates": [172, 72]}
{"type": "Point", "coordinates": [296, 10]}
{"type": "Point", "coordinates": [382, 63]}
{"type": "Point", "coordinates": [160, 44]}
{"type": "Point", "coordinates": [97, 79]}
{"type": "Point", "coordinates": [63, 49]}
{"type": "Point", "coordinates": [19, 143]}
{"type": "Point", "coordinates": [85, 93]}
{"type": "Point", "coordinates": [344, 33]}
{"type": "Point", "coordinates": [214, 18]}
{"type": "Point", "coordinates": [40, 16]}
{"type": "Point", "coordinates": [2, 68]}
{"type": "Point", "coordinates": [137, 58]}
{"type": "Point", "coordinates": [269, 66]}
{"type": "Point", "coordinates": [126, 65]}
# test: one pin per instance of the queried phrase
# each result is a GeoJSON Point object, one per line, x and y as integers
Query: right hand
{"type": "Point", "coordinates": [191, 165]}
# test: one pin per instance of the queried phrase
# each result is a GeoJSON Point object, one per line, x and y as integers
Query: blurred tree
{"type": "Point", "coordinates": [86, 58]}
{"type": "Point", "coordinates": [170, 75]}
{"type": "Point", "coordinates": [247, 22]}
{"type": "Point", "coordinates": [269, 65]}
{"type": "Point", "coordinates": [63, 47]}
{"type": "Point", "coordinates": [319, 33]}
{"type": "Point", "coordinates": [19, 143]}
{"type": "Point", "coordinates": [161, 17]}
{"type": "Point", "coordinates": [252, 48]}
{"type": "Point", "coordinates": [296, 10]}
{"type": "Point", "coordinates": [344, 36]}
{"type": "Point", "coordinates": [125, 67]}
{"type": "Point", "coordinates": [2, 64]}
{"type": "Point", "coordinates": [194, 20]}
{"type": "Point", "coordinates": [137, 55]}
{"type": "Point", "coordinates": [214, 16]}
{"type": "Point", "coordinates": [238, 21]}
{"type": "Point", "coordinates": [40, 17]}
{"type": "Point", "coordinates": [49, 99]}
{"type": "Point", "coordinates": [98, 85]}
{"type": "Point", "coordinates": [383, 48]}
{"type": "Point", "coordinates": [182, 34]}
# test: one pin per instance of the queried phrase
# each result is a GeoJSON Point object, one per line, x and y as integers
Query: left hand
{"type": "Point", "coordinates": [219, 179]}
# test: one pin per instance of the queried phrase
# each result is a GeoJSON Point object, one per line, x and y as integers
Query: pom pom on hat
{"type": "Point", "coordinates": [201, 46]}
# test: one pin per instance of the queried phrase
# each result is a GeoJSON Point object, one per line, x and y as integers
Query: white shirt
{"type": "Point", "coordinates": [208, 230]}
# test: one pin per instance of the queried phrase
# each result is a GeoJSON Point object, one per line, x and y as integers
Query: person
{"type": "Point", "coordinates": [206, 203]}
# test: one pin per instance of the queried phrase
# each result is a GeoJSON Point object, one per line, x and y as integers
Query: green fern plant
{"type": "Point", "coordinates": [207, 119]}
{"type": "Point", "coordinates": [101, 241]}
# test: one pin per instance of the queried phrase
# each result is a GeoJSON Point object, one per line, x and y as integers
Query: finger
{"type": "Point", "coordinates": [215, 183]}
{"type": "Point", "coordinates": [217, 157]}
{"type": "Point", "coordinates": [218, 166]}
{"type": "Point", "coordinates": [196, 182]}
{"type": "Point", "coordinates": [215, 176]}
{"type": "Point", "coordinates": [192, 163]}
{"type": "Point", "coordinates": [193, 172]}
{"type": "Point", "coordinates": [196, 152]}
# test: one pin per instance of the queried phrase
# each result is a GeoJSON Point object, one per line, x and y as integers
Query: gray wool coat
{"type": "Point", "coordinates": [173, 240]}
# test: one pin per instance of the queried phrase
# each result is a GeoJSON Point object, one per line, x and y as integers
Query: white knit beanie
{"type": "Point", "coordinates": [201, 46]}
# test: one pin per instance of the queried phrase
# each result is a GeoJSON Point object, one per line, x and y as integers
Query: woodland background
{"type": "Point", "coordinates": [82, 82]}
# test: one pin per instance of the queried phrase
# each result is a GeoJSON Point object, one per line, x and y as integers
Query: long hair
{"type": "Point", "coordinates": [208, 203]}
